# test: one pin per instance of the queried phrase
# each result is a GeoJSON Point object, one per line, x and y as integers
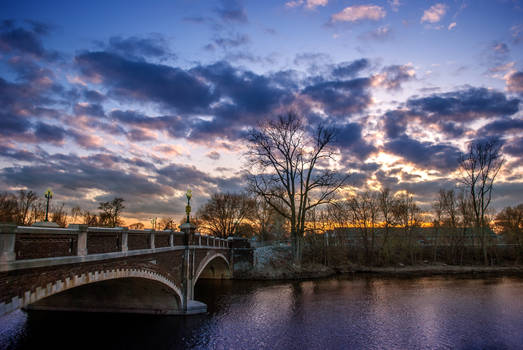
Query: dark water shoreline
{"type": "Point", "coordinates": [355, 311]}
{"type": "Point", "coordinates": [320, 271]}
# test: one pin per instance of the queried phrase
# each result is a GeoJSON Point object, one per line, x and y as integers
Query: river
{"type": "Point", "coordinates": [336, 313]}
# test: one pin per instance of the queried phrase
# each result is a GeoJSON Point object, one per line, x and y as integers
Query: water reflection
{"type": "Point", "coordinates": [342, 313]}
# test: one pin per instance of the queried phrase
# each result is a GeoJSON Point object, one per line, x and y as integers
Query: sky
{"type": "Point", "coordinates": [143, 100]}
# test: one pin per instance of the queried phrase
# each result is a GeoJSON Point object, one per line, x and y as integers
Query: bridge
{"type": "Point", "coordinates": [82, 268]}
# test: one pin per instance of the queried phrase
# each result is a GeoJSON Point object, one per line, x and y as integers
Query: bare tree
{"type": "Point", "coordinates": [59, 215]}
{"type": "Point", "coordinates": [110, 212]}
{"type": "Point", "coordinates": [510, 223]}
{"type": "Point", "coordinates": [167, 223]}
{"type": "Point", "coordinates": [288, 165]}
{"type": "Point", "coordinates": [26, 200]}
{"type": "Point", "coordinates": [386, 208]}
{"type": "Point", "coordinates": [407, 216]}
{"type": "Point", "coordinates": [225, 213]}
{"type": "Point", "coordinates": [364, 210]}
{"type": "Point", "coordinates": [8, 208]}
{"type": "Point", "coordinates": [76, 212]}
{"type": "Point", "coordinates": [479, 167]}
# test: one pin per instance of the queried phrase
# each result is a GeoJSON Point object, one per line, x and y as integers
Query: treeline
{"type": "Point", "coordinates": [378, 228]}
{"type": "Point", "coordinates": [25, 208]}
{"type": "Point", "coordinates": [382, 228]}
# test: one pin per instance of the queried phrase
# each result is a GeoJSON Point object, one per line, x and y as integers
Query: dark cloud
{"type": "Point", "coordinates": [350, 69]}
{"type": "Point", "coordinates": [93, 96]}
{"type": "Point", "coordinates": [139, 135]}
{"type": "Point", "coordinates": [231, 42]}
{"type": "Point", "coordinates": [341, 97]}
{"type": "Point", "coordinates": [352, 145]}
{"type": "Point", "coordinates": [136, 80]}
{"type": "Point", "coordinates": [49, 133]}
{"type": "Point", "coordinates": [465, 105]}
{"type": "Point", "coordinates": [514, 147]}
{"type": "Point", "coordinates": [425, 154]}
{"type": "Point", "coordinates": [20, 40]}
{"type": "Point", "coordinates": [393, 76]}
{"type": "Point", "coordinates": [451, 128]}
{"type": "Point", "coordinates": [174, 125]}
{"type": "Point", "coordinates": [232, 11]}
{"type": "Point", "coordinates": [93, 110]}
{"type": "Point", "coordinates": [154, 46]}
{"type": "Point", "coordinates": [502, 126]}
{"type": "Point", "coordinates": [24, 38]}
{"type": "Point", "coordinates": [395, 123]}
{"type": "Point", "coordinates": [12, 125]}
{"type": "Point", "coordinates": [17, 155]}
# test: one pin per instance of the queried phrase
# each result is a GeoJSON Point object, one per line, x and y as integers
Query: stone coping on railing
{"type": "Point", "coordinates": [9, 233]}
{"type": "Point", "coordinates": [64, 260]}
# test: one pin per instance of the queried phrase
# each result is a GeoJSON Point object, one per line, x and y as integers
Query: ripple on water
{"type": "Point", "coordinates": [339, 313]}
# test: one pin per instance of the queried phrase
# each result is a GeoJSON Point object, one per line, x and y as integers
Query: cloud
{"type": "Point", "coordinates": [515, 82]}
{"type": "Point", "coordinates": [169, 150]}
{"type": "Point", "coordinates": [350, 69]}
{"type": "Point", "coordinates": [517, 33]}
{"type": "Point", "coordinates": [213, 155]}
{"type": "Point", "coordinates": [341, 98]}
{"type": "Point", "coordinates": [232, 42]}
{"type": "Point", "coordinates": [49, 133]}
{"type": "Point", "coordinates": [515, 147]}
{"type": "Point", "coordinates": [378, 34]}
{"type": "Point", "coordinates": [501, 126]}
{"type": "Point", "coordinates": [394, 4]}
{"type": "Point", "coordinates": [232, 11]}
{"type": "Point", "coordinates": [154, 46]}
{"type": "Point", "coordinates": [428, 155]}
{"type": "Point", "coordinates": [391, 77]}
{"type": "Point", "coordinates": [174, 125]}
{"type": "Point", "coordinates": [349, 139]}
{"type": "Point", "coordinates": [463, 105]}
{"type": "Point", "coordinates": [139, 80]}
{"type": "Point", "coordinates": [93, 110]}
{"type": "Point", "coordinates": [358, 13]}
{"type": "Point", "coordinates": [309, 4]}
{"type": "Point", "coordinates": [17, 39]}
{"type": "Point", "coordinates": [434, 14]}
{"type": "Point", "coordinates": [452, 26]}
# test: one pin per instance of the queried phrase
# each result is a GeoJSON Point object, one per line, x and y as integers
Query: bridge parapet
{"type": "Point", "coordinates": [23, 246]}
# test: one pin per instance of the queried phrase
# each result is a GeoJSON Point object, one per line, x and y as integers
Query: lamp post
{"type": "Point", "coordinates": [48, 195]}
{"type": "Point", "coordinates": [153, 223]}
{"type": "Point", "coordinates": [188, 206]}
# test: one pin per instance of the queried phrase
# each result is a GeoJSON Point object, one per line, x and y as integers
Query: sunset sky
{"type": "Point", "coordinates": [144, 99]}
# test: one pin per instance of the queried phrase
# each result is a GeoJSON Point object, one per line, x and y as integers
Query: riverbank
{"type": "Point", "coordinates": [311, 271]}
{"type": "Point", "coordinates": [276, 264]}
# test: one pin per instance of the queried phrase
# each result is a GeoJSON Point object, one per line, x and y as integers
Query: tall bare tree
{"type": "Point", "coordinates": [225, 213]}
{"type": "Point", "coordinates": [479, 167]}
{"type": "Point", "coordinates": [288, 169]}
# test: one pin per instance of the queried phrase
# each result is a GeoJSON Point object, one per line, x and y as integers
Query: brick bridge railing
{"type": "Point", "coordinates": [108, 269]}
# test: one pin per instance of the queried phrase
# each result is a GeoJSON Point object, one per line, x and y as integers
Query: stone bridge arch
{"type": "Point", "coordinates": [116, 290]}
{"type": "Point", "coordinates": [214, 265]}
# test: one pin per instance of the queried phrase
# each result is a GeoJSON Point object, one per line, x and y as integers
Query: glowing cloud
{"type": "Point", "coordinates": [434, 14]}
{"type": "Point", "coordinates": [357, 13]}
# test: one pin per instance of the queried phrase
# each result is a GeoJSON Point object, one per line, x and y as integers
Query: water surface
{"type": "Point", "coordinates": [336, 313]}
